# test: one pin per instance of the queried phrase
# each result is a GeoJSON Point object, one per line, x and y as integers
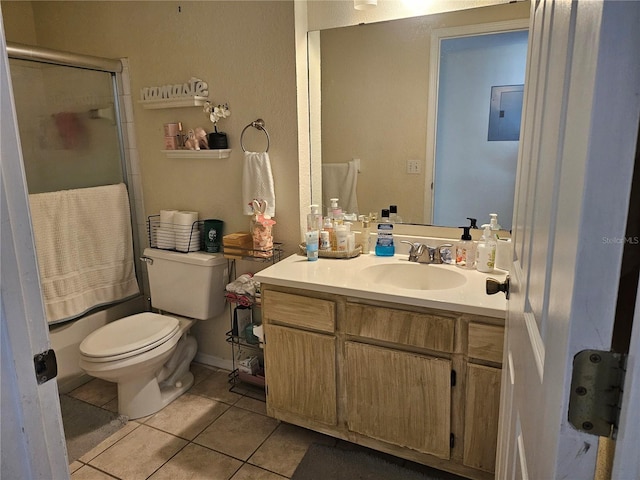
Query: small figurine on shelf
{"type": "Point", "coordinates": [196, 140]}
{"type": "Point", "coordinates": [191, 143]}
{"type": "Point", "coordinates": [217, 140]}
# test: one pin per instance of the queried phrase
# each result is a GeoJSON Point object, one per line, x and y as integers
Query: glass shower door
{"type": "Point", "coordinates": [68, 126]}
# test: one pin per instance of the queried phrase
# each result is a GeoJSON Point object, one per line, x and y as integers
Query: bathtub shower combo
{"type": "Point", "coordinates": [76, 164]}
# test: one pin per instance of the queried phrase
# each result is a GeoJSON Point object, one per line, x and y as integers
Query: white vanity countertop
{"type": "Point", "coordinates": [345, 277]}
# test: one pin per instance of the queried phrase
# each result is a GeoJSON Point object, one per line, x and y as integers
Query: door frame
{"type": "Point", "coordinates": [599, 130]}
{"type": "Point", "coordinates": [437, 35]}
{"type": "Point", "coordinates": [31, 412]}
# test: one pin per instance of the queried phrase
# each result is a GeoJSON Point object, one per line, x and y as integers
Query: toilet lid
{"type": "Point", "coordinates": [129, 336]}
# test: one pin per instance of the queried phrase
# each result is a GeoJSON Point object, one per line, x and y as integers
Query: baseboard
{"type": "Point", "coordinates": [212, 361]}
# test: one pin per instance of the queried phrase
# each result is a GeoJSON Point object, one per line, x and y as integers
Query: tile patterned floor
{"type": "Point", "coordinates": [207, 433]}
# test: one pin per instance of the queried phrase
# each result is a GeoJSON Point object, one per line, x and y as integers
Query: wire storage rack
{"type": "Point", "coordinates": [248, 359]}
{"type": "Point", "coordinates": [178, 238]}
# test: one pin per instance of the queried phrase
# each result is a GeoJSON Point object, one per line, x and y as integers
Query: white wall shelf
{"type": "Point", "coordinates": [194, 101]}
{"type": "Point", "coordinates": [197, 153]}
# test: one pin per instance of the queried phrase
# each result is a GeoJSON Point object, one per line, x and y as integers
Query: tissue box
{"type": "Point", "coordinates": [249, 365]}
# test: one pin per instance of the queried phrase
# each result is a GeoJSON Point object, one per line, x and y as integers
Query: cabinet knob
{"type": "Point", "coordinates": [494, 286]}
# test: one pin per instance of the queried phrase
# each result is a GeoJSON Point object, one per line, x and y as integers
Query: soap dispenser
{"type": "Point", "coordinates": [486, 251]}
{"type": "Point", "coordinates": [494, 222]}
{"type": "Point", "coordinates": [466, 248]}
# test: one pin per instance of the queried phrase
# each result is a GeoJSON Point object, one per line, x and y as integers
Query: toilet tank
{"type": "Point", "coordinates": [187, 284]}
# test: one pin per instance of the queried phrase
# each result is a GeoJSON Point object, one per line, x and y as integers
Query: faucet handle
{"type": "Point", "coordinates": [415, 250]}
{"type": "Point", "coordinates": [444, 254]}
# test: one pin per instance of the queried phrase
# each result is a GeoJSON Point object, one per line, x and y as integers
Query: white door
{"type": "Point", "coordinates": [578, 141]}
{"type": "Point", "coordinates": [33, 443]}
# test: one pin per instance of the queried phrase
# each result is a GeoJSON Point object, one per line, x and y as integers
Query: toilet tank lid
{"type": "Point", "coordinates": [194, 258]}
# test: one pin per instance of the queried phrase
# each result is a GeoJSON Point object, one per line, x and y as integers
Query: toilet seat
{"type": "Point", "coordinates": [128, 337]}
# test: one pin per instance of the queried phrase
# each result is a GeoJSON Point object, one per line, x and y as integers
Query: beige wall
{"type": "Point", "coordinates": [244, 50]}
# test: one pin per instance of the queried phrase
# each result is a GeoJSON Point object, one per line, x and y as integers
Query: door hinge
{"type": "Point", "coordinates": [454, 377]}
{"type": "Point", "coordinates": [596, 391]}
{"type": "Point", "coordinates": [452, 440]}
{"type": "Point", "coordinates": [45, 365]}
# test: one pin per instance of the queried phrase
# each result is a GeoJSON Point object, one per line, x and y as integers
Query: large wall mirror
{"type": "Point", "coordinates": [375, 97]}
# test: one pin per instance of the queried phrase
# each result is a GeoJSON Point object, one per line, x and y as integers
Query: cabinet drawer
{"type": "Point", "coordinates": [299, 311]}
{"type": "Point", "coordinates": [398, 326]}
{"type": "Point", "coordinates": [485, 342]}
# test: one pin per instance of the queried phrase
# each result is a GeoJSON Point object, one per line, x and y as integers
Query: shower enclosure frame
{"type": "Point", "coordinates": [115, 68]}
{"type": "Point", "coordinates": [66, 337]}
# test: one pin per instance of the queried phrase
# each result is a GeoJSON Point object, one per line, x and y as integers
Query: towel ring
{"type": "Point", "coordinates": [258, 125]}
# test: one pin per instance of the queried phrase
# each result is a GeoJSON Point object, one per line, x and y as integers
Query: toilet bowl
{"type": "Point", "coordinates": [148, 354]}
{"type": "Point", "coordinates": [131, 351]}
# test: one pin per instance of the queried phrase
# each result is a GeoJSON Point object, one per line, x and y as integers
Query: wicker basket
{"type": "Point", "coordinates": [331, 254]}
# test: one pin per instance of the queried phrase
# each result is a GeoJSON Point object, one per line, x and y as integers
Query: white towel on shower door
{"type": "Point", "coordinates": [84, 248]}
{"type": "Point", "coordinates": [257, 182]}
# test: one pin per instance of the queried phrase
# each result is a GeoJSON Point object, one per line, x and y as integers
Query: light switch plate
{"type": "Point", "coordinates": [413, 167]}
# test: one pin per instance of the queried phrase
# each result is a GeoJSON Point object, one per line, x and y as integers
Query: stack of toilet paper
{"type": "Point", "coordinates": [178, 230]}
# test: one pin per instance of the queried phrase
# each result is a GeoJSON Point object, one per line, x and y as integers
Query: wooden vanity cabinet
{"type": "Point", "coordinates": [384, 376]}
{"type": "Point", "coordinates": [482, 395]}
{"type": "Point", "coordinates": [399, 397]}
{"type": "Point", "coordinates": [300, 357]}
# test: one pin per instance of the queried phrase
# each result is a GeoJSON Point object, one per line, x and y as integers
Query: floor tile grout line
{"type": "Point", "coordinates": [110, 446]}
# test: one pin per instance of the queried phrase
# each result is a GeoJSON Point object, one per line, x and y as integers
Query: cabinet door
{"type": "Point", "coordinates": [399, 397]}
{"type": "Point", "coordinates": [300, 370]}
{"type": "Point", "coordinates": [481, 417]}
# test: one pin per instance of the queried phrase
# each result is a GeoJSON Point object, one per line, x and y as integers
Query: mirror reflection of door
{"type": "Point", "coordinates": [472, 159]}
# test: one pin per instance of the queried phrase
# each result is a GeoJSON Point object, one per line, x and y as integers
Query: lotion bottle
{"type": "Point", "coordinates": [314, 220]}
{"type": "Point", "coordinates": [384, 243]}
{"type": "Point", "coordinates": [486, 251]}
{"type": "Point", "coordinates": [328, 227]}
{"type": "Point", "coordinates": [365, 235]}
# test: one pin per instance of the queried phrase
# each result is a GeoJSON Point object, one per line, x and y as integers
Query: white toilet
{"type": "Point", "coordinates": [148, 354]}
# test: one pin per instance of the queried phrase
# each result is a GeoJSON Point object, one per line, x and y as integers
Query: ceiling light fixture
{"type": "Point", "coordinates": [364, 4]}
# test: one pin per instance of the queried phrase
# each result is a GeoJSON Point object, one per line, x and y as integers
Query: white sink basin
{"type": "Point", "coordinates": [414, 276]}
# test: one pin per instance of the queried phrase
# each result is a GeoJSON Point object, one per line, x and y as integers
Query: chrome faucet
{"type": "Point", "coordinates": [423, 253]}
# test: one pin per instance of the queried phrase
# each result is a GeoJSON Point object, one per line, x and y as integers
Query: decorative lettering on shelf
{"type": "Point", "coordinates": [193, 88]}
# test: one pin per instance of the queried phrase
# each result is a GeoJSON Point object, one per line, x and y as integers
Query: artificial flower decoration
{"type": "Point", "coordinates": [216, 112]}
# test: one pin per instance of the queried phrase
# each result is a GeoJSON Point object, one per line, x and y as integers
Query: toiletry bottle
{"type": "Point", "coordinates": [465, 250]}
{"type": "Point", "coordinates": [314, 220]}
{"type": "Point", "coordinates": [336, 211]}
{"type": "Point", "coordinates": [365, 235]}
{"type": "Point", "coordinates": [384, 243]}
{"type": "Point", "coordinates": [393, 214]}
{"type": "Point", "coordinates": [341, 238]}
{"type": "Point", "coordinates": [311, 240]}
{"type": "Point", "coordinates": [328, 227]}
{"type": "Point", "coordinates": [486, 251]}
{"type": "Point", "coordinates": [325, 242]}
{"type": "Point", "coordinates": [494, 222]}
